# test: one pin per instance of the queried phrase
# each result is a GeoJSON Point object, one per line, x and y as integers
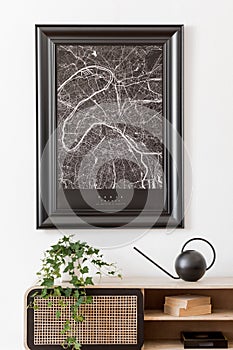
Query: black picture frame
{"type": "Point", "coordinates": [49, 214]}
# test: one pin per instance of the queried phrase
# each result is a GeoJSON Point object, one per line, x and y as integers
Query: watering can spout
{"type": "Point", "coordinates": [157, 265]}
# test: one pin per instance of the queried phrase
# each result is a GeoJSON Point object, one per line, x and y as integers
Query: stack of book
{"type": "Point", "coordinates": [187, 305]}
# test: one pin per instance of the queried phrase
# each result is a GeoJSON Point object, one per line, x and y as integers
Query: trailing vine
{"type": "Point", "coordinates": [73, 258]}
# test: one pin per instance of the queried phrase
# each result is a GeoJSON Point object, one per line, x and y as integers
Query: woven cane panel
{"type": "Point", "coordinates": [108, 320]}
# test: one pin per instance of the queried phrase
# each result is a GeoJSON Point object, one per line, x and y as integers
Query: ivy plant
{"type": "Point", "coordinates": [74, 258]}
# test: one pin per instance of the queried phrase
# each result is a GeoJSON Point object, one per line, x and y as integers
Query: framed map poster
{"type": "Point", "coordinates": [109, 126]}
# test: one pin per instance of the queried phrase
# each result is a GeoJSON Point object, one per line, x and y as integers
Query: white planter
{"type": "Point", "coordinates": [65, 277]}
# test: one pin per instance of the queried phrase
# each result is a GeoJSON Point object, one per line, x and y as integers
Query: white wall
{"type": "Point", "coordinates": [208, 134]}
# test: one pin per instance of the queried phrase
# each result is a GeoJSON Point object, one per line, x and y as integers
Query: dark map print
{"type": "Point", "coordinates": [109, 117]}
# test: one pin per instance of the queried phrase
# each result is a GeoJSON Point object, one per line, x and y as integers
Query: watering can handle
{"type": "Point", "coordinates": [204, 240]}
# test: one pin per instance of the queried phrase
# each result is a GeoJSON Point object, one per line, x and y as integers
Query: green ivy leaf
{"type": "Point", "coordinates": [48, 282]}
{"type": "Point", "coordinates": [57, 292]}
{"type": "Point", "coordinates": [111, 273]}
{"type": "Point", "coordinates": [66, 239]}
{"type": "Point", "coordinates": [84, 270]}
{"type": "Point", "coordinates": [88, 281]}
{"type": "Point", "coordinates": [55, 248]}
{"type": "Point", "coordinates": [70, 266]}
{"type": "Point", "coordinates": [80, 318]}
{"type": "Point", "coordinates": [68, 292]}
{"type": "Point", "coordinates": [77, 346]}
{"type": "Point", "coordinates": [79, 301]}
{"type": "Point", "coordinates": [44, 293]}
{"type": "Point", "coordinates": [70, 340]}
{"type": "Point", "coordinates": [77, 282]}
{"type": "Point", "coordinates": [35, 306]}
{"type": "Point", "coordinates": [66, 327]}
{"type": "Point", "coordinates": [76, 294]}
{"type": "Point", "coordinates": [88, 299]}
{"type": "Point", "coordinates": [58, 314]}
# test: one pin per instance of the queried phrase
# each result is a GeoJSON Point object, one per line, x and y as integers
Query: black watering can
{"type": "Point", "coordinates": [190, 265]}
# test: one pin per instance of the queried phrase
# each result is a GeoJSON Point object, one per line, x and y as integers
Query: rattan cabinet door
{"type": "Point", "coordinates": [114, 320]}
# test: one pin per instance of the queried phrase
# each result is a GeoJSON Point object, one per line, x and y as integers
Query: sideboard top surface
{"type": "Point", "coordinates": [164, 283]}
{"type": "Point", "coordinates": [159, 283]}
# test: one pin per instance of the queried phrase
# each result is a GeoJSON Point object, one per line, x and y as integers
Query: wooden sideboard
{"type": "Point", "coordinates": [162, 331]}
